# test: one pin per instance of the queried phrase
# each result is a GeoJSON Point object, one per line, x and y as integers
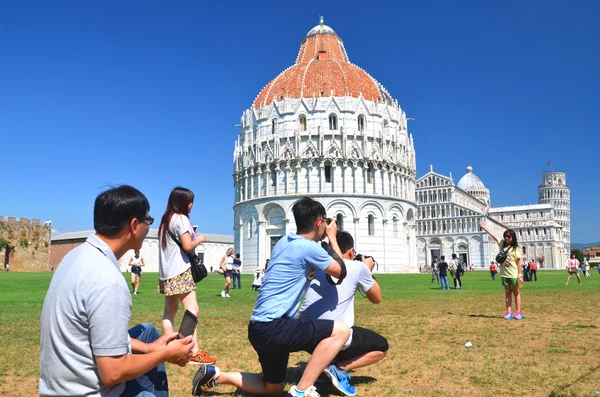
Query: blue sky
{"type": "Point", "coordinates": [148, 93]}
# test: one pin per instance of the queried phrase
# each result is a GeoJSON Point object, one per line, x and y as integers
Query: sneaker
{"type": "Point", "coordinates": [518, 316]}
{"type": "Point", "coordinates": [205, 378]}
{"type": "Point", "coordinates": [201, 358]}
{"type": "Point", "coordinates": [340, 380]}
{"type": "Point", "coordinates": [310, 392]}
{"type": "Point", "coordinates": [508, 315]}
{"type": "Point", "coordinates": [222, 294]}
{"type": "Point", "coordinates": [227, 296]}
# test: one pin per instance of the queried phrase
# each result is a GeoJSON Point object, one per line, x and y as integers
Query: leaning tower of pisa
{"type": "Point", "coordinates": [554, 191]}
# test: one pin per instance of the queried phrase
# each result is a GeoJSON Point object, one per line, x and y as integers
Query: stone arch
{"type": "Point", "coordinates": [274, 215]}
{"type": "Point", "coordinates": [373, 203]}
{"type": "Point", "coordinates": [332, 208]}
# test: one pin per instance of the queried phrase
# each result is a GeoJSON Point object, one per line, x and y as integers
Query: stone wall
{"type": "Point", "coordinates": [29, 243]}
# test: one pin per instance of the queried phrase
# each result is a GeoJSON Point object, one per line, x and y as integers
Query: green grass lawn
{"type": "Point", "coordinates": [554, 351]}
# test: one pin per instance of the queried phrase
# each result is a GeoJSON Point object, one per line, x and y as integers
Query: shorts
{"type": "Point", "coordinates": [181, 284]}
{"type": "Point", "coordinates": [136, 270]}
{"type": "Point", "coordinates": [363, 341]}
{"type": "Point", "coordinates": [509, 281]}
{"type": "Point", "coordinates": [573, 270]}
{"type": "Point", "coordinates": [228, 273]}
{"type": "Point", "coordinates": [275, 340]}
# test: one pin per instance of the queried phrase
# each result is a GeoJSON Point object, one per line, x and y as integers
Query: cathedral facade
{"type": "Point", "coordinates": [325, 128]}
{"type": "Point", "coordinates": [447, 219]}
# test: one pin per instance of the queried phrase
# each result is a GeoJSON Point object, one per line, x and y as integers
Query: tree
{"type": "Point", "coordinates": [3, 243]}
{"type": "Point", "coordinates": [578, 254]}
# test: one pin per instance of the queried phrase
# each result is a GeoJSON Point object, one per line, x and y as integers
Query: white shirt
{"type": "Point", "coordinates": [172, 261]}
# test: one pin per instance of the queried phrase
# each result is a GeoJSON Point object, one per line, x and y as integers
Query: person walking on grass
{"type": "Point", "coordinates": [364, 347]}
{"type": "Point", "coordinates": [435, 272]}
{"type": "Point", "coordinates": [226, 265]}
{"type": "Point", "coordinates": [237, 268]}
{"type": "Point", "coordinates": [86, 348]}
{"type": "Point", "coordinates": [136, 262]}
{"type": "Point", "coordinates": [511, 270]}
{"type": "Point", "coordinates": [456, 271]}
{"type": "Point", "coordinates": [175, 279]}
{"type": "Point", "coordinates": [573, 268]}
{"type": "Point", "coordinates": [493, 270]}
{"type": "Point", "coordinates": [443, 267]}
{"type": "Point", "coordinates": [274, 330]}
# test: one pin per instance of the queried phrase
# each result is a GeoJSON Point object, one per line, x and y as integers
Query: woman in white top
{"type": "Point", "coordinates": [573, 268]}
{"type": "Point", "coordinates": [136, 262]}
{"type": "Point", "coordinates": [175, 276]}
{"type": "Point", "coordinates": [227, 267]}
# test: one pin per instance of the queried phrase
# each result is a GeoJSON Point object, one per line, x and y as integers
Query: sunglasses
{"type": "Point", "coordinates": [148, 219]}
{"type": "Point", "coordinates": [508, 236]}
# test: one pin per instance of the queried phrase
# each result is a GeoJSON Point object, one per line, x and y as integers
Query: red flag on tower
{"type": "Point", "coordinates": [548, 163]}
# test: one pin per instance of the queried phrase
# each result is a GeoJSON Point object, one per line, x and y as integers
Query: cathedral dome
{"type": "Point", "coordinates": [322, 68]}
{"type": "Point", "coordinates": [470, 181]}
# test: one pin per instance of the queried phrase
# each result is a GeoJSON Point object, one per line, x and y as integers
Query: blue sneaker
{"type": "Point", "coordinates": [518, 316]}
{"type": "Point", "coordinates": [508, 315]}
{"type": "Point", "coordinates": [310, 392]}
{"type": "Point", "coordinates": [205, 378]}
{"type": "Point", "coordinates": [340, 380]}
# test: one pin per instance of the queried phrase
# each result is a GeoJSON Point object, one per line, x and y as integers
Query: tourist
{"type": "Point", "coordinates": [443, 267]}
{"type": "Point", "coordinates": [364, 347]}
{"type": "Point", "coordinates": [435, 272]}
{"type": "Point", "coordinates": [510, 270]}
{"type": "Point", "coordinates": [573, 268]}
{"type": "Point", "coordinates": [86, 348]}
{"type": "Point", "coordinates": [532, 270]}
{"type": "Point", "coordinates": [136, 262]}
{"type": "Point", "coordinates": [525, 270]}
{"type": "Point", "coordinates": [493, 270]}
{"type": "Point", "coordinates": [226, 265]}
{"type": "Point", "coordinates": [585, 267]}
{"type": "Point", "coordinates": [259, 274]}
{"type": "Point", "coordinates": [237, 268]}
{"type": "Point", "coordinates": [175, 275]}
{"type": "Point", "coordinates": [456, 271]}
{"type": "Point", "coordinates": [274, 331]}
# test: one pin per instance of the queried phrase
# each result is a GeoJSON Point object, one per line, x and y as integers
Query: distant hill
{"type": "Point", "coordinates": [581, 245]}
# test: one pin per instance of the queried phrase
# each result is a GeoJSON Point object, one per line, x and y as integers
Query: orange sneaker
{"type": "Point", "coordinates": [201, 358]}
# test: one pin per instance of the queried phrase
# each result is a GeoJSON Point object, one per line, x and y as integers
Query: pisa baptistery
{"type": "Point", "coordinates": [325, 128]}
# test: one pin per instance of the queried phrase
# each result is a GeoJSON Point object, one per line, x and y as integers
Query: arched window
{"type": "Point", "coordinates": [371, 225]}
{"type": "Point", "coordinates": [395, 226]}
{"type": "Point", "coordinates": [250, 228]}
{"type": "Point", "coordinates": [370, 172]}
{"type": "Point", "coordinates": [302, 122]}
{"type": "Point", "coordinates": [333, 122]}
{"type": "Point", "coordinates": [273, 124]}
{"type": "Point", "coordinates": [362, 122]}
{"type": "Point", "coordinates": [385, 124]}
{"type": "Point", "coordinates": [339, 219]}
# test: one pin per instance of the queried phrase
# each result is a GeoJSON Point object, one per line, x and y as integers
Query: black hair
{"type": "Point", "coordinates": [116, 207]}
{"type": "Point", "coordinates": [237, 255]}
{"type": "Point", "coordinates": [345, 241]}
{"type": "Point", "coordinates": [513, 243]}
{"type": "Point", "coordinates": [453, 256]}
{"type": "Point", "coordinates": [573, 255]}
{"type": "Point", "coordinates": [179, 203]}
{"type": "Point", "coordinates": [306, 212]}
{"type": "Point", "coordinates": [435, 257]}
{"type": "Point", "coordinates": [443, 257]}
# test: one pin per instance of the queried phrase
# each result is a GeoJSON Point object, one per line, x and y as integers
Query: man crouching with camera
{"type": "Point", "coordinates": [325, 300]}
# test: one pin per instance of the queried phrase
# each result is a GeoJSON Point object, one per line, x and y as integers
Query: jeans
{"type": "Point", "coordinates": [435, 274]}
{"type": "Point", "coordinates": [533, 274]}
{"type": "Point", "coordinates": [444, 281]}
{"type": "Point", "coordinates": [236, 276]}
{"type": "Point", "coordinates": [154, 382]}
{"type": "Point", "coordinates": [493, 275]}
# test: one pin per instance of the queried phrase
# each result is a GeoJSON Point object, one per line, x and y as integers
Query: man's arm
{"type": "Point", "coordinates": [335, 269]}
{"type": "Point", "coordinates": [373, 293]}
{"type": "Point", "coordinates": [119, 369]}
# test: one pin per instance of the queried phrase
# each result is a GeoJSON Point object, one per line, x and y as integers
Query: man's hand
{"type": "Point", "coordinates": [161, 342]}
{"type": "Point", "coordinates": [179, 350]}
{"type": "Point", "coordinates": [368, 260]}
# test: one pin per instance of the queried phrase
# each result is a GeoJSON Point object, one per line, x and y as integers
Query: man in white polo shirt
{"type": "Point", "coordinates": [327, 301]}
{"type": "Point", "coordinates": [86, 348]}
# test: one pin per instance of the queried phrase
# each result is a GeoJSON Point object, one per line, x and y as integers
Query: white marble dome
{"type": "Point", "coordinates": [471, 184]}
{"type": "Point", "coordinates": [470, 181]}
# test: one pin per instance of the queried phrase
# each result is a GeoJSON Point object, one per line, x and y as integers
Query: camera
{"type": "Point", "coordinates": [328, 220]}
{"type": "Point", "coordinates": [360, 257]}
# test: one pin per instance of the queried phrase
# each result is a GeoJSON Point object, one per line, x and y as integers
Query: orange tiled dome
{"type": "Point", "coordinates": [322, 69]}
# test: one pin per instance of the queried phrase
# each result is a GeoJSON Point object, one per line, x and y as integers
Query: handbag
{"type": "Point", "coordinates": [502, 256]}
{"type": "Point", "coordinates": [198, 269]}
